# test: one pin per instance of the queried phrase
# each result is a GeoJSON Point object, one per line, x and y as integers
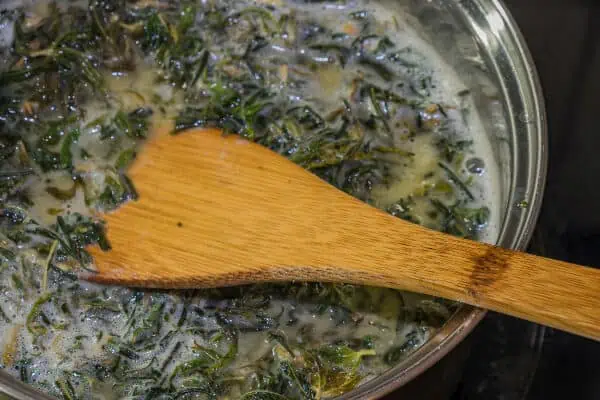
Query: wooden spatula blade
{"type": "Point", "coordinates": [219, 210]}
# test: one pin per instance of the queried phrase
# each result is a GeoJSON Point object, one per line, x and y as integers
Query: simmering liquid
{"type": "Point", "coordinates": [346, 89]}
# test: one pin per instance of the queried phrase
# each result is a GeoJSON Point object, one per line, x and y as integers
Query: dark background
{"type": "Point", "coordinates": [506, 358]}
{"type": "Point", "coordinates": [564, 39]}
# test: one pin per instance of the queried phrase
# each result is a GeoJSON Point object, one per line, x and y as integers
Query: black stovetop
{"type": "Point", "coordinates": [511, 359]}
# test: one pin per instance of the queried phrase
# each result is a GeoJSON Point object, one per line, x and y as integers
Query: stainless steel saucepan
{"type": "Point", "coordinates": [481, 41]}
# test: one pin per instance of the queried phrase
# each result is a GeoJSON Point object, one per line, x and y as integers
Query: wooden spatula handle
{"type": "Point", "coordinates": [549, 292]}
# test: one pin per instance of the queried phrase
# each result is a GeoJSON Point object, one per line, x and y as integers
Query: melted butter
{"type": "Point", "coordinates": [410, 174]}
{"type": "Point", "coordinates": [329, 83]}
{"type": "Point", "coordinates": [141, 87]}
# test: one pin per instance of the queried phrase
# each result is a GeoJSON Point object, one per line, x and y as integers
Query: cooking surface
{"type": "Point", "coordinates": [510, 359]}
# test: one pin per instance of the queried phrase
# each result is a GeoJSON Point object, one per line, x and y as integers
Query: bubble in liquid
{"type": "Point", "coordinates": [526, 118]}
{"type": "Point", "coordinates": [475, 165]}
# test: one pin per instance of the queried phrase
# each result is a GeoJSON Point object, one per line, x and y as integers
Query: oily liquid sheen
{"type": "Point", "coordinates": [465, 118]}
{"type": "Point", "coordinates": [64, 353]}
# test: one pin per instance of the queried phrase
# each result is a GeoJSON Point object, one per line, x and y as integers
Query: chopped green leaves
{"type": "Point", "coordinates": [462, 221]}
{"type": "Point", "coordinates": [156, 32]}
{"type": "Point", "coordinates": [457, 181]}
{"type": "Point", "coordinates": [134, 124]}
{"type": "Point", "coordinates": [262, 395]}
{"type": "Point", "coordinates": [37, 322]}
{"type": "Point", "coordinates": [66, 389]}
{"type": "Point", "coordinates": [66, 157]}
{"type": "Point", "coordinates": [125, 158]}
{"type": "Point", "coordinates": [77, 101]}
{"type": "Point", "coordinates": [343, 356]}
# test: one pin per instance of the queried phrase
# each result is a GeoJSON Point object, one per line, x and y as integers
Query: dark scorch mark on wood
{"type": "Point", "coordinates": [488, 269]}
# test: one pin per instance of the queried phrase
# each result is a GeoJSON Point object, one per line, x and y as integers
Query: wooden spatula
{"type": "Point", "coordinates": [217, 210]}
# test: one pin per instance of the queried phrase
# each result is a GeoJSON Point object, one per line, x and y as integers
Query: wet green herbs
{"type": "Point", "coordinates": [248, 69]}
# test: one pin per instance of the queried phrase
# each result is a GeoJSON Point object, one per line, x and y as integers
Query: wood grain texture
{"type": "Point", "coordinates": [220, 211]}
